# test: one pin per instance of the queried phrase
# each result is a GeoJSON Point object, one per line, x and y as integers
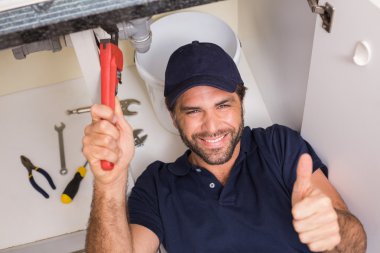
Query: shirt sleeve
{"type": "Point", "coordinates": [287, 145]}
{"type": "Point", "coordinates": [143, 204]}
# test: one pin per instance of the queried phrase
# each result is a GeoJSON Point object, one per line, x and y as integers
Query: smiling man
{"type": "Point", "coordinates": [235, 189]}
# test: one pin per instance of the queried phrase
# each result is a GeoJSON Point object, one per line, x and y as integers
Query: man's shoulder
{"type": "Point", "coordinates": [159, 168]}
{"type": "Point", "coordinates": [155, 167]}
{"type": "Point", "coordinates": [272, 131]}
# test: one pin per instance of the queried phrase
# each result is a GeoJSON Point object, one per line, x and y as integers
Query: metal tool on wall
{"type": "Point", "coordinates": [59, 129]}
{"type": "Point", "coordinates": [125, 103]}
{"type": "Point", "coordinates": [139, 140]}
{"type": "Point", "coordinates": [30, 167]}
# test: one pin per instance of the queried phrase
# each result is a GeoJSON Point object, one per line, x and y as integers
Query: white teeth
{"type": "Point", "coordinates": [215, 140]}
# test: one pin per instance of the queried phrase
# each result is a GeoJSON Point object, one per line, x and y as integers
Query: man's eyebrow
{"type": "Point", "coordinates": [189, 108]}
{"type": "Point", "coordinates": [224, 101]}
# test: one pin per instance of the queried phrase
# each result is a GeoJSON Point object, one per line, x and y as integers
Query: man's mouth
{"type": "Point", "coordinates": [214, 140]}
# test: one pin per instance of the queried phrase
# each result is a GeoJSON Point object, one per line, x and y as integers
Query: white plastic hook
{"type": "Point", "coordinates": [363, 54]}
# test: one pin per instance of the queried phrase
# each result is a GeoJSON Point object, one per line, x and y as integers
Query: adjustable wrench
{"type": "Point", "coordinates": [139, 140]}
{"type": "Point", "coordinates": [59, 129]}
{"type": "Point", "coordinates": [111, 65]}
{"type": "Point", "coordinates": [123, 103]}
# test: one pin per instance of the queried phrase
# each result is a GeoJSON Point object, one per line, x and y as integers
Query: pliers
{"type": "Point", "coordinates": [30, 167]}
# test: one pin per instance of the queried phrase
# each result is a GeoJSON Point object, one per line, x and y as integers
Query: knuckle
{"type": "Point", "coordinates": [332, 216]}
{"type": "Point", "coordinates": [295, 212]}
{"type": "Point", "coordinates": [334, 241]}
{"type": "Point", "coordinates": [103, 125]}
{"type": "Point", "coordinates": [337, 240]}
{"type": "Point", "coordinates": [336, 228]}
{"type": "Point", "coordinates": [303, 238]}
{"type": "Point", "coordinates": [325, 201]}
{"type": "Point", "coordinates": [314, 247]}
{"type": "Point", "coordinates": [85, 140]}
{"type": "Point", "coordinates": [85, 150]}
{"type": "Point", "coordinates": [108, 140]}
{"type": "Point", "coordinates": [297, 226]}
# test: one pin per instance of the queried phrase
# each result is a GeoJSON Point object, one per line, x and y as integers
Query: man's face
{"type": "Point", "coordinates": [210, 122]}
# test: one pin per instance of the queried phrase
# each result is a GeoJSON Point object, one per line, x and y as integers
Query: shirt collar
{"type": "Point", "coordinates": [182, 166]}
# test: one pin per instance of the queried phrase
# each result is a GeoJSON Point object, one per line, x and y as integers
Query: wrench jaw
{"type": "Point", "coordinates": [126, 103]}
{"type": "Point", "coordinates": [139, 141]}
{"type": "Point", "coordinates": [59, 128]}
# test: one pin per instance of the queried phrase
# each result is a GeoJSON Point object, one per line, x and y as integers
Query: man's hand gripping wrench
{"type": "Point", "coordinates": [111, 63]}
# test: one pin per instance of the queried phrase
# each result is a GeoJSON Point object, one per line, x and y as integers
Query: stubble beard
{"type": "Point", "coordinates": [216, 156]}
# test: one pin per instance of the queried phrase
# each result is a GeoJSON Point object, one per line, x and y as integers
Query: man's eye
{"type": "Point", "coordinates": [223, 106]}
{"type": "Point", "coordinates": [192, 112]}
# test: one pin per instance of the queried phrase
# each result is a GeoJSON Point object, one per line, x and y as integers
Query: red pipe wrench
{"type": "Point", "coordinates": [111, 64]}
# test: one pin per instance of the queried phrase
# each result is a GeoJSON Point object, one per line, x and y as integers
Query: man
{"type": "Point", "coordinates": [235, 190]}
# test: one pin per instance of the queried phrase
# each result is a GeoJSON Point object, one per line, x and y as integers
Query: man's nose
{"type": "Point", "coordinates": [210, 122]}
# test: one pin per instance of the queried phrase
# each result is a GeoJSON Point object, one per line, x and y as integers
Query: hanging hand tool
{"type": "Point", "coordinates": [63, 170]}
{"type": "Point", "coordinates": [73, 186]}
{"type": "Point", "coordinates": [139, 141]}
{"type": "Point", "coordinates": [125, 103]}
{"type": "Point", "coordinates": [30, 167]}
{"type": "Point", "coordinates": [111, 64]}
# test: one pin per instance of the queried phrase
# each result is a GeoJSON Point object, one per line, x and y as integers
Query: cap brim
{"type": "Point", "coordinates": [212, 81]}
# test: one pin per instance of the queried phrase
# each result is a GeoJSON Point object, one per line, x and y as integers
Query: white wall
{"type": "Point", "coordinates": [277, 37]}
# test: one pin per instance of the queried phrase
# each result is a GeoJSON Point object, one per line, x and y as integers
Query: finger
{"type": "Point", "coordinates": [315, 221]}
{"type": "Point", "coordinates": [320, 239]}
{"type": "Point", "coordinates": [101, 140]}
{"type": "Point", "coordinates": [103, 127]}
{"type": "Point", "coordinates": [326, 244]}
{"type": "Point", "coordinates": [304, 171]}
{"type": "Point", "coordinates": [96, 153]}
{"type": "Point", "coordinates": [320, 233]}
{"type": "Point", "coordinates": [121, 123]}
{"type": "Point", "coordinates": [99, 112]}
{"type": "Point", "coordinates": [118, 110]}
{"type": "Point", "coordinates": [316, 202]}
{"type": "Point", "coordinates": [303, 180]}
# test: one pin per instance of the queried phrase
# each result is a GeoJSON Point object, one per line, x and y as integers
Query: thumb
{"type": "Point", "coordinates": [118, 110]}
{"type": "Point", "coordinates": [302, 185]}
{"type": "Point", "coordinates": [119, 116]}
{"type": "Point", "coordinates": [121, 122]}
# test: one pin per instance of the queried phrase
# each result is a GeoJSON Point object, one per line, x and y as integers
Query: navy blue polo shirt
{"type": "Point", "coordinates": [190, 211]}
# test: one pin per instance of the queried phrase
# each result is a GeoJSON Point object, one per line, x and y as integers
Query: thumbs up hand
{"type": "Point", "coordinates": [314, 217]}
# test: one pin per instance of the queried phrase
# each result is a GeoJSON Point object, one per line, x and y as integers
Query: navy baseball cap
{"type": "Point", "coordinates": [197, 64]}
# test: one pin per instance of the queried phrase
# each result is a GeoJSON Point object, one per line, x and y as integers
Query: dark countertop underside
{"type": "Point", "coordinates": [25, 24]}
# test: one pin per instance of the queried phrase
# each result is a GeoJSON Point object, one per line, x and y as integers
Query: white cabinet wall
{"type": "Point", "coordinates": [277, 37]}
{"type": "Point", "coordinates": [310, 82]}
{"type": "Point", "coordinates": [342, 110]}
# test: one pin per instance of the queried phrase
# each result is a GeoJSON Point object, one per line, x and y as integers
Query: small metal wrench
{"type": "Point", "coordinates": [59, 129]}
{"type": "Point", "coordinates": [139, 141]}
{"type": "Point", "coordinates": [123, 103]}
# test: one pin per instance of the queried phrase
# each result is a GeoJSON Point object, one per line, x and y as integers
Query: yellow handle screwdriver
{"type": "Point", "coordinates": [73, 186]}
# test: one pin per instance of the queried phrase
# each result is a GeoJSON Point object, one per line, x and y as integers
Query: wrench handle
{"type": "Point", "coordinates": [111, 61]}
{"type": "Point", "coordinates": [106, 165]}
